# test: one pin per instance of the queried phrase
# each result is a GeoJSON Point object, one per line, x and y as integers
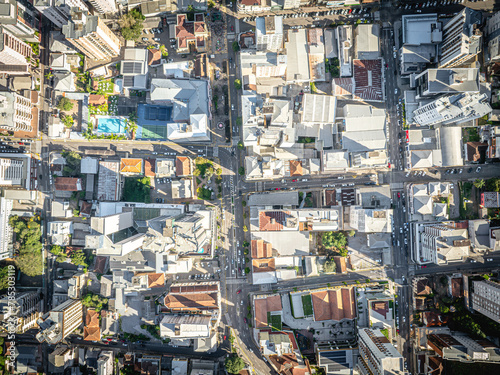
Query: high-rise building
{"type": "Point", "coordinates": [104, 6]}
{"type": "Point", "coordinates": [455, 109]}
{"type": "Point", "coordinates": [433, 82]}
{"type": "Point", "coordinates": [58, 11]}
{"type": "Point", "coordinates": [105, 363]}
{"type": "Point", "coordinates": [492, 30]}
{"type": "Point", "coordinates": [486, 299]}
{"type": "Point", "coordinates": [21, 21]}
{"type": "Point", "coordinates": [377, 356]}
{"type": "Point", "coordinates": [25, 309]}
{"type": "Point", "coordinates": [13, 51]}
{"type": "Point", "coordinates": [15, 112]}
{"type": "Point", "coordinates": [5, 228]}
{"type": "Point", "coordinates": [91, 36]}
{"type": "Point", "coordinates": [60, 322]}
{"type": "Point", "coordinates": [461, 39]}
{"type": "Point", "coordinates": [269, 33]}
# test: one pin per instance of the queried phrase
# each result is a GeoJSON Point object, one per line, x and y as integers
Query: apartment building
{"type": "Point", "coordinates": [15, 112]}
{"type": "Point", "coordinates": [19, 20]}
{"type": "Point", "coordinates": [24, 310]}
{"type": "Point", "coordinates": [493, 37]}
{"type": "Point", "coordinates": [90, 35]}
{"type": "Point", "coordinates": [58, 11]}
{"type": "Point", "coordinates": [377, 355]}
{"type": "Point", "coordinates": [460, 347]}
{"type": "Point", "coordinates": [269, 33]}
{"type": "Point", "coordinates": [461, 39]}
{"type": "Point", "coordinates": [5, 228]}
{"type": "Point", "coordinates": [486, 299]}
{"type": "Point", "coordinates": [13, 51]}
{"type": "Point", "coordinates": [441, 243]}
{"type": "Point", "coordinates": [434, 82]}
{"type": "Point", "coordinates": [104, 6]}
{"type": "Point", "coordinates": [456, 109]}
{"type": "Point", "coordinates": [60, 322]}
{"type": "Point", "coordinates": [105, 365]}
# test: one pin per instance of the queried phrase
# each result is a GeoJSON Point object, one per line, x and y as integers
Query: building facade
{"type": "Point", "coordinates": [13, 51]}
{"type": "Point", "coordinates": [269, 33]}
{"type": "Point", "coordinates": [90, 35]}
{"type": "Point", "coordinates": [5, 228]}
{"type": "Point", "coordinates": [15, 112]}
{"type": "Point", "coordinates": [461, 39]}
{"type": "Point", "coordinates": [104, 6]}
{"type": "Point", "coordinates": [25, 309]}
{"type": "Point", "coordinates": [60, 322]}
{"type": "Point", "coordinates": [58, 11]}
{"type": "Point", "coordinates": [486, 299]}
{"type": "Point", "coordinates": [377, 356]}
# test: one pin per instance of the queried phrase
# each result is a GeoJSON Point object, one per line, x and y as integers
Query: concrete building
{"type": "Point", "coordinates": [5, 229]}
{"type": "Point", "coordinates": [492, 30]}
{"type": "Point", "coordinates": [269, 33]}
{"type": "Point", "coordinates": [421, 35]}
{"type": "Point", "coordinates": [460, 347]}
{"type": "Point", "coordinates": [61, 321]}
{"type": "Point", "coordinates": [11, 172]}
{"type": "Point", "coordinates": [456, 109]}
{"type": "Point", "coordinates": [58, 11]}
{"type": "Point", "coordinates": [17, 171]}
{"type": "Point", "coordinates": [13, 51]}
{"type": "Point", "coordinates": [22, 312]}
{"type": "Point", "coordinates": [105, 363]}
{"type": "Point", "coordinates": [15, 112]}
{"type": "Point", "coordinates": [461, 39]}
{"type": "Point", "coordinates": [345, 46]}
{"type": "Point", "coordinates": [486, 299]}
{"type": "Point", "coordinates": [104, 6]}
{"type": "Point", "coordinates": [19, 20]}
{"type": "Point", "coordinates": [441, 243]}
{"type": "Point", "coordinates": [434, 82]}
{"type": "Point", "coordinates": [91, 36]}
{"type": "Point", "coordinates": [377, 355]}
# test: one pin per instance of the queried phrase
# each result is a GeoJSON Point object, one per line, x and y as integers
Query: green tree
{"type": "Point", "coordinates": [49, 75]}
{"type": "Point", "coordinates": [234, 364]}
{"type": "Point", "coordinates": [352, 233]}
{"type": "Point", "coordinates": [30, 263]}
{"type": "Point", "coordinates": [241, 146]}
{"type": "Point", "coordinates": [245, 228]}
{"type": "Point", "coordinates": [137, 189]}
{"type": "Point", "coordinates": [247, 270]}
{"type": "Point", "coordinates": [4, 281]}
{"type": "Point", "coordinates": [329, 266]}
{"type": "Point", "coordinates": [237, 84]}
{"type": "Point", "coordinates": [73, 160]}
{"type": "Point", "coordinates": [65, 104]}
{"type": "Point", "coordinates": [163, 51]}
{"type": "Point", "coordinates": [241, 171]}
{"type": "Point", "coordinates": [78, 258]}
{"type": "Point", "coordinates": [131, 24]}
{"type": "Point", "coordinates": [218, 171]}
{"type": "Point", "coordinates": [236, 46]}
{"type": "Point", "coordinates": [68, 121]}
{"type": "Point", "coordinates": [479, 183]}
{"type": "Point", "coordinates": [333, 240]}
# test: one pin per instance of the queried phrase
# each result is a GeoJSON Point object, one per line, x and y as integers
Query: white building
{"type": "Point", "coordinates": [58, 11]}
{"type": "Point", "coordinates": [11, 172]}
{"type": "Point", "coordinates": [60, 322]}
{"type": "Point", "coordinates": [105, 365]}
{"type": "Point", "coordinates": [377, 356]}
{"type": "Point", "coordinates": [440, 243]}
{"type": "Point", "coordinates": [486, 299]}
{"type": "Point", "coordinates": [456, 109]}
{"type": "Point", "coordinates": [15, 112]}
{"type": "Point", "coordinates": [461, 39]}
{"type": "Point", "coordinates": [5, 228]}
{"type": "Point", "coordinates": [104, 6]}
{"type": "Point", "coordinates": [345, 49]}
{"type": "Point", "coordinates": [269, 33]}
{"type": "Point", "coordinates": [13, 51]}
{"type": "Point", "coordinates": [493, 37]}
{"type": "Point", "coordinates": [185, 326]}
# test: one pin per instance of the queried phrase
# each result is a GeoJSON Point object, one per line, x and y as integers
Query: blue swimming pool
{"type": "Point", "coordinates": [113, 125]}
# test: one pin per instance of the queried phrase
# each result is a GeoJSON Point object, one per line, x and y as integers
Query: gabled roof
{"type": "Point", "coordinates": [261, 249]}
{"type": "Point", "coordinates": [296, 168]}
{"type": "Point", "coordinates": [131, 165]}
{"type": "Point", "coordinates": [68, 183]}
{"type": "Point", "coordinates": [91, 333]}
{"type": "Point", "coordinates": [154, 56]}
{"type": "Point", "coordinates": [272, 220]}
{"type": "Point", "coordinates": [149, 167]}
{"type": "Point", "coordinates": [92, 318]}
{"type": "Point", "coordinates": [95, 99]}
{"type": "Point", "coordinates": [182, 166]}
{"type": "Point", "coordinates": [263, 306]}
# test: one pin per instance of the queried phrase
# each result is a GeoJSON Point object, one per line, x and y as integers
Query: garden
{"type": "Point", "coordinates": [137, 189]}
{"type": "Point", "coordinates": [307, 304]}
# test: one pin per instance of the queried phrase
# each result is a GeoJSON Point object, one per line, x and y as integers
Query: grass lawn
{"type": "Point", "coordinates": [307, 304]}
{"type": "Point", "coordinates": [274, 321]}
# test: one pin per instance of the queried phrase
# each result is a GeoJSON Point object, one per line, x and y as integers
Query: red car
{"type": "Point", "coordinates": [399, 195]}
{"type": "Point", "coordinates": [245, 320]}
{"type": "Point", "coordinates": [277, 189]}
{"type": "Point", "coordinates": [239, 291]}
{"type": "Point", "coordinates": [224, 337]}
{"type": "Point", "coordinates": [232, 28]}
{"type": "Point", "coordinates": [21, 143]}
{"type": "Point", "coordinates": [424, 266]}
{"type": "Point", "coordinates": [294, 180]}
{"type": "Point", "coordinates": [389, 165]}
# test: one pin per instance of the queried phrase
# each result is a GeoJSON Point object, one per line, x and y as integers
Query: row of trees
{"type": "Point", "coordinates": [336, 241]}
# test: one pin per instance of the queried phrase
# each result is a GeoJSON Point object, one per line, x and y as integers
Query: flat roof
{"type": "Point", "coordinates": [290, 198]}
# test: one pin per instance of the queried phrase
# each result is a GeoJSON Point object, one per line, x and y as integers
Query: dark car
{"type": "Point", "coordinates": [470, 170]}
{"type": "Point", "coordinates": [400, 149]}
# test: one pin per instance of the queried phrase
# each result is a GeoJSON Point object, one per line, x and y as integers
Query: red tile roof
{"type": "Point", "coordinates": [264, 305]}
{"type": "Point", "coordinates": [343, 86]}
{"type": "Point", "coordinates": [368, 80]}
{"type": "Point", "coordinates": [149, 167]}
{"type": "Point", "coordinates": [187, 31]}
{"type": "Point", "coordinates": [154, 56]}
{"type": "Point", "coordinates": [91, 333]}
{"type": "Point", "coordinates": [296, 168]}
{"type": "Point", "coordinates": [182, 166]}
{"type": "Point", "coordinates": [456, 287]}
{"type": "Point", "coordinates": [334, 304]}
{"type": "Point", "coordinates": [250, 2]}
{"type": "Point", "coordinates": [272, 220]}
{"type": "Point", "coordinates": [68, 183]}
{"type": "Point", "coordinates": [263, 265]}
{"type": "Point", "coordinates": [95, 99]}
{"type": "Point", "coordinates": [156, 280]}
{"type": "Point", "coordinates": [261, 249]}
{"type": "Point", "coordinates": [100, 264]}
{"type": "Point", "coordinates": [92, 318]}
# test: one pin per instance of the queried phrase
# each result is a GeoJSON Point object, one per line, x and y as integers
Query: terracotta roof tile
{"type": "Point", "coordinates": [95, 99]}
{"type": "Point", "coordinates": [156, 280]}
{"type": "Point", "coordinates": [272, 220]}
{"type": "Point", "coordinates": [91, 333]}
{"type": "Point", "coordinates": [296, 168]}
{"type": "Point", "coordinates": [182, 166]}
{"type": "Point", "coordinates": [100, 264]}
{"type": "Point", "coordinates": [368, 80]}
{"type": "Point", "coordinates": [334, 304]}
{"type": "Point", "coordinates": [456, 287]}
{"type": "Point", "coordinates": [264, 305]}
{"type": "Point", "coordinates": [92, 318]}
{"type": "Point", "coordinates": [263, 265]}
{"type": "Point", "coordinates": [261, 249]}
{"type": "Point", "coordinates": [154, 56]}
{"type": "Point", "coordinates": [149, 167]}
{"type": "Point", "coordinates": [131, 165]}
{"type": "Point", "coordinates": [191, 301]}
{"type": "Point", "coordinates": [68, 183]}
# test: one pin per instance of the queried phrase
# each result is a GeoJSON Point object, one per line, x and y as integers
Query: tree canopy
{"type": "Point", "coordinates": [65, 104]}
{"type": "Point", "coordinates": [28, 242]}
{"type": "Point", "coordinates": [237, 84]}
{"type": "Point", "coordinates": [329, 266]}
{"type": "Point", "coordinates": [4, 274]}
{"type": "Point", "coordinates": [336, 241]}
{"type": "Point", "coordinates": [137, 189]}
{"type": "Point", "coordinates": [234, 364]}
{"type": "Point", "coordinates": [131, 24]}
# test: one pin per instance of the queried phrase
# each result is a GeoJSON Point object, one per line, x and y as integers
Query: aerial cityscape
{"type": "Point", "coordinates": [253, 187]}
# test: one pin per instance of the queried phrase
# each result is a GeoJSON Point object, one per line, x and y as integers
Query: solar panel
{"type": "Point", "coordinates": [128, 81]}
{"type": "Point", "coordinates": [131, 67]}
